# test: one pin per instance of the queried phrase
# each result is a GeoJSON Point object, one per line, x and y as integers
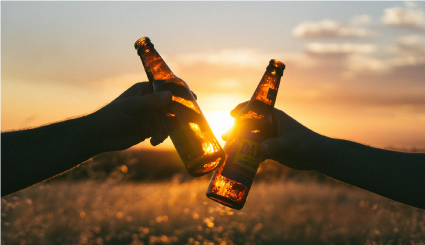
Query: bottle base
{"type": "Point", "coordinates": [201, 167]}
{"type": "Point", "coordinates": [225, 201]}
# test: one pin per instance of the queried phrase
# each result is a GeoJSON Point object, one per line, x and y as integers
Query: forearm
{"type": "Point", "coordinates": [396, 175]}
{"type": "Point", "coordinates": [31, 156]}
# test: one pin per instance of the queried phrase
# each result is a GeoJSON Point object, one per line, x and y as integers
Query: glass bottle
{"type": "Point", "coordinates": [232, 180]}
{"type": "Point", "coordinates": [186, 125]}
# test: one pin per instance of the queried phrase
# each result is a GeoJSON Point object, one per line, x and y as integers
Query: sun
{"type": "Point", "coordinates": [220, 122]}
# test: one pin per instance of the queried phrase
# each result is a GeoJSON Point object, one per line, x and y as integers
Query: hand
{"type": "Point", "coordinates": [296, 146]}
{"type": "Point", "coordinates": [131, 118]}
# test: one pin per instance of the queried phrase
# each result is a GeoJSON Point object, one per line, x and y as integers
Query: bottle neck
{"type": "Point", "coordinates": [155, 66]}
{"type": "Point", "coordinates": [266, 91]}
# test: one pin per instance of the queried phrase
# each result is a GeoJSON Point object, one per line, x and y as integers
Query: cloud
{"type": "Point", "coordinates": [410, 18]}
{"type": "Point", "coordinates": [229, 57]}
{"type": "Point", "coordinates": [412, 45]}
{"type": "Point", "coordinates": [408, 51]}
{"type": "Point", "coordinates": [394, 97]}
{"type": "Point", "coordinates": [339, 49]}
{"type": "Point", "coordinates": [350, 59]}
{"type": "Point", "coordinates": [346, 59]}
{"type": "Point", "coordinates": [364, 64]}
{"type": "Point", "coordinates": [334, 29]}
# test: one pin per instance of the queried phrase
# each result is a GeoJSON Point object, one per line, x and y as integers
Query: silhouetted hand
{"type": "Point", "coordinates": [33, 155]}
{"type": "Point", "coordinates": [392, 174]}
{"type": "Point", "coordinates": [296, 146]}
{"type": "Point", "coordinates": [131, 118]}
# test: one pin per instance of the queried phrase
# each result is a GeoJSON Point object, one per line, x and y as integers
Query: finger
{"type": "Point", "coordinates": [156, 100]}
{"type": "Point", "coordinates": [160, 135]}
{"type": "Point", "coordinates": [158, 139]}
{"type": "Point", "coordinates": [141, 88]}
{"type": "Point", "coordinates": [150, 102]}
{"type": "Point", "coordinates": [194, 95]}
{"type": "Point", "coordinates": [146, 88]}
{"type": "Point", "coordinates": [226, 135]}
{"type": "Point", "coordinates": [236, 110]}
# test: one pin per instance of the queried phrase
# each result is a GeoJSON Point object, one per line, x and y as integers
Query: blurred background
{"type": "Point", "coordinates": [354, 70]}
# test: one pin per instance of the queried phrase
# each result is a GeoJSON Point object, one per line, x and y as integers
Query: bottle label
{"type": "Point", "coordinates": [271, 94]}
{"type": "Point", "coordinates": [244, 158]}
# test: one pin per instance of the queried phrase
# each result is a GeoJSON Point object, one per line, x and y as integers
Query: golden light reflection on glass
{"type": "Point", "coordinates": [159, 69]}
{"type": "Point", "coordinates": [263, 89]}
{"type": "Point", "coordinates": [188, 103]}
{"type": "Point", "coordinates": [152, 60]}
{"type": "Point", "coordinates": [211, 165]}
{"type": "Point", "coordinates": [251, 114]}
{"type": "Point", "coordinates": [207, 145]}
{"type": "Point", "coordinates": [195, 127]}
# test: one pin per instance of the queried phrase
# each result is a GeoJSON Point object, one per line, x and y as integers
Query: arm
{"type": "Point", "coordinates": [33, 155]}
{"type": "Point", "coordinates": [399, 176]}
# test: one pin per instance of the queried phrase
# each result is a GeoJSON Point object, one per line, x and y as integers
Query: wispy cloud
{"type": "Point", "coordinates": [228, 57]}
{"type": "Point", "coordinates": [411, 17]}
{"type": "Point", "coordinates": [337, 49]}
{"type": "Point", "coordinates": [346, 59]}
{"type": "Point", "coordinates": [351, 59]}
{"type": "Point", "coordinates": [412, 45]}
{"type": "Point", "coordinates": [334, 29]}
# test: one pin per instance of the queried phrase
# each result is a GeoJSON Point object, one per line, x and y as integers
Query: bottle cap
{"type": "Point", "coordinates": [277, 65]}
{"type": "Point", "coordinates": [142, 42]}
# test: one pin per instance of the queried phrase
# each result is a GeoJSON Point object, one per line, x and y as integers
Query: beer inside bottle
{"type": "Point", "coordinates": [232, 180]}
{"type": "Point", "coordinates": [186, 125]}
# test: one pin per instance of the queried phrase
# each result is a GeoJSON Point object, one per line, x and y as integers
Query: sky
{"type": "Point", "coordinates": [354, 70]}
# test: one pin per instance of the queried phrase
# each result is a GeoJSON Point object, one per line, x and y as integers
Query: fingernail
{"type": "Point", "coordinates": [224, 136]}
{"type": "Point", "coordinates": [165, 97]}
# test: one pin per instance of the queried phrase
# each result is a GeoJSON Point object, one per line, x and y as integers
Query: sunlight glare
{"type": "Point", "coordinates": [220, 122]}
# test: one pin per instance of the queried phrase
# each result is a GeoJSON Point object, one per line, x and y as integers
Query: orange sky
{"type": "Point", "coordinates": [353, 70]}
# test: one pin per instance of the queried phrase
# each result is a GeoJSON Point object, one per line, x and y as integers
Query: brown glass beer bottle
{"type": "Point", "coordinates": [232, 180]}
{"type": "Point", "coordinates": [186, 125]}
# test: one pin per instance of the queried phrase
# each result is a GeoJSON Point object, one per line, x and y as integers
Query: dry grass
{"type": "Point", "coordinates": [87, 212]}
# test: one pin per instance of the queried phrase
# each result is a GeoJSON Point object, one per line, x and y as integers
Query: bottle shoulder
{"type": "Point", "coordinates": [177, 81]}
{"type": "Point", "coordinates": [256, 108]}
{"type": "Point", "coordinates": [170, 84]}
{"type": "Point", "coordinates": [257, 118]}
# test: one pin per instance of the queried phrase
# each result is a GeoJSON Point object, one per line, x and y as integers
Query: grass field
{"type": "Point", "coordinates": [279, 212]}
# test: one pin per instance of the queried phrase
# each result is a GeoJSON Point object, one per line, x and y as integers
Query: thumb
{"type": "Point", "coordinates": [236, 110]}
{"type": "Point", "coordinates": [226, 134]}
{"type": "Point", "coordinates": [275, 146]}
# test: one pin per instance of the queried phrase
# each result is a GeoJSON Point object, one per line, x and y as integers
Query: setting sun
{"type": "Point", "coordinates": [220, 122]}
